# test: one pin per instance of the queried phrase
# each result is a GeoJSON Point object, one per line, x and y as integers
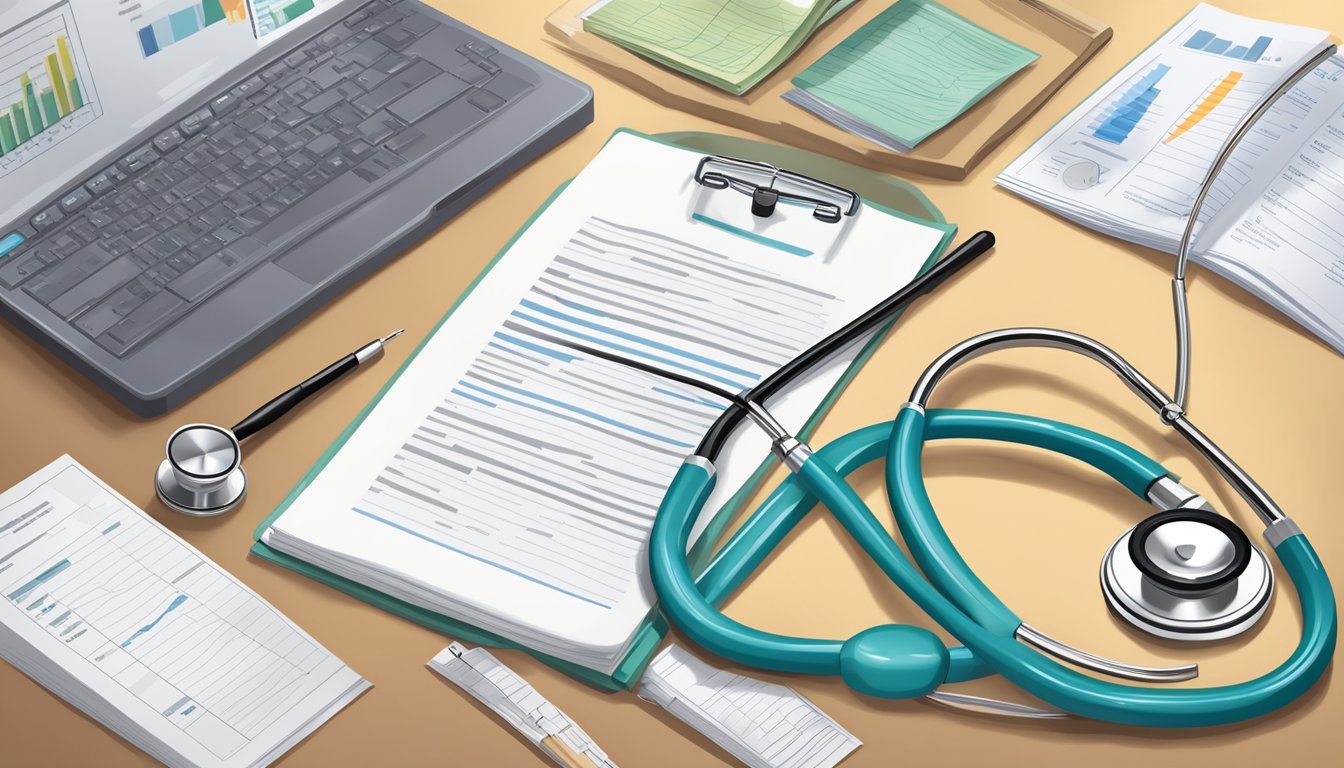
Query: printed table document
{"type": "Point", "coordinates": [112, 612]}
{"type": "Point", "coordinates": [511, 482]}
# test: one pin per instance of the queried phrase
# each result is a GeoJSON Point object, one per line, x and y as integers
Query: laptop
{"type": "Point", "coordinates": [185, 180]}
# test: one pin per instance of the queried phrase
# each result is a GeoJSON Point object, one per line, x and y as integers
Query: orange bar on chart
{"type": "Point", "coordinates": [1206, 106]}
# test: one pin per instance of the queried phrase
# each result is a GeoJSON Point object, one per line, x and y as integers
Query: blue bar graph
{"type": "Point", "coordinates": [177, 601]}
{"type": "Point", "coordinates": [1206, 41]}
{"type": "Point", "coordinates": [1120, 117]}
{"type": "Point", "coordinates": [37, 581]}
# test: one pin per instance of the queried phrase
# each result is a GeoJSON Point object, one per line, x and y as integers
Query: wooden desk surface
{"type": "Point", "coordinates": [1033, 525]}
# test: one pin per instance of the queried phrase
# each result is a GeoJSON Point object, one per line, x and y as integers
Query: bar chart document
{"type": "Point", "coordinates": [46, 89]}
{"type": "Point", "coordinates": [111, 611]}
{"type": "Point", "coordinates": [1133, 155]}
{"type": "Point", "coordinates": [510, 482]}
{"type": "Point", "coordinates": [764, 725]}
{"type": "Point", "coordinates": [1130, 160]}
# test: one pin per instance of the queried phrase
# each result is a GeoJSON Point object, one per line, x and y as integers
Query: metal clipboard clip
{"type": "Point", "coordinates": [768, 185]}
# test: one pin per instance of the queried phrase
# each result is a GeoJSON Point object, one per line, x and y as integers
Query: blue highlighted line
{"type": "Point", "coordinates": [112, 527]}
{"type": "Point", "coordinates": [19, 593]}
{"type": "Point", "coordinates": [470, 396]}
{"type": "Point", "coordinates": [630, 350]}
{"type": "Point", "coordinates": [177, 601]}
{"type": "Point", "coordinates": [477, 558]}
{"type": "Point", "coordinates": [633, 337]}
{"type": "Point", "coordinates": [561, 356]}
{"type": "Point", "coordinates": [574, 408]}
{"type": "Point", "coordinates": [779, 245]}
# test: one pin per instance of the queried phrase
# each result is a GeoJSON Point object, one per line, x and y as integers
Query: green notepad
{"type": "Point", "coordinates": [731, 44]}
{"type": "Point", "coordinates": [649, 635]}
{"type": "Point", "coordinates": [907, 73]}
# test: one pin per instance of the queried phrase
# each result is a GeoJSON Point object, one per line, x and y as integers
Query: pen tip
{"type": "Point", "coordinates": [393, 335]}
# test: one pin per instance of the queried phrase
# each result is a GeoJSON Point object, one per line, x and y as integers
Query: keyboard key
{"type": "Point", "coordinates": [329, 40]}
{"type": "Point", "coordinates": [222, 105]}
{"type": "Point", "coordinates": [370, 78]}
{"type": "Point", "coordinates": [100, 184]}
{"type": "Point", "coordinates": [344, 114]}
{"type": "Point", "coordinates": [141, 322]}
{"type": "Point", "coordinates": [325, 76]}
{"type": "Point", "coordinates": [419, 25]}
{"type": "Point", "coordinates": [138, 160]}
{"type": "Point", "coordinates": [485, 101]}
{"type": "Point", "coordinates": [322, 102]}
{"type": "Point", "coordinates": [101, 219]}
{"type": "Point", "coordinates": [226, 234]}
{"type": "Point", "coordinates": [95, 287]}
{"type": "Point", "coordinates": [295, 59]}
{"type": "Point", "coordinates": [480, 48]}
{"type": "Point", "coordinates": [358, 150]}
{"type": "Point", "coordinates": [322, 146]}
{"type": "Point", "coordinates": [67, 273]}
{"type": "Point", "coordinates": [379, 127]}
{"type": "Point", "coordinates": [426, 98]}
{"type": "Point", "coordinates": [392, 63]}
{"type": "Point", "coordinates": [471, 72]}
{"type": "Point", "coordinates": [215, 270]}
{"type": "Point", "coordinates": [14, 270]}
{"type": "Point", "coordinates": [168, 140]}
{"type": "Point", "coordinates": [76, 200]}
{"type": "Point", "coordinates": [47, 219]}
{"type": "Point", "coordinates": [10, 243]}
{"type": "Point", "coordinates": [395, 37]}
{"type": "Point", "coordinates": [195, 123]}
{"type": "Point", "coordinates": [397, 85]}
{"type": "Point", "coordinates": [404, 140]}
{"type": "Point", "coordinates": [112, 309]}
{"type": "Point", "coordinates": [251, 121]}
{"type": "Point", "coordinates": [248, 87]}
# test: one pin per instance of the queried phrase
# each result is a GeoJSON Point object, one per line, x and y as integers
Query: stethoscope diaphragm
{"type": "Point", "coordinates": [1187, 574]}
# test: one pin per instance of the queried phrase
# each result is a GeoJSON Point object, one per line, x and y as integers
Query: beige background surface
{"type": "Point", "coordinates": [1034, 526]}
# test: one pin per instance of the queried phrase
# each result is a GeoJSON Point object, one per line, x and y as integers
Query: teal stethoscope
{"type": "Point", "coordinates": [1186, 572]}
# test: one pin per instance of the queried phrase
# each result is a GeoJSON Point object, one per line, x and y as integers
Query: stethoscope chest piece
{"type": "Point", "coordinates": [202, 472]}
{"type": "Point", "coordinates": [1187, 574]}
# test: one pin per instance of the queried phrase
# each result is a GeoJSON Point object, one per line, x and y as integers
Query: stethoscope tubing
{"type": "Point", "coordinates": [989, 646]}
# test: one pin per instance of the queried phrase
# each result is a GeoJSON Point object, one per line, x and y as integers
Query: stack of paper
{"type": "Point", "coordinates": [1130, 160]}
{"type": "Point", "coordinates": [907, 73]}
{"type": "Point", "coordinates": [730, 44]}
{"type": "Point", "coordinates": [762, 724]}
{"type": "Point", "coordinates": [480, 674]}
{"type": "Point", "coordinates": [509, 482]}
{"type": "Point", "coordinates": [113, 613]}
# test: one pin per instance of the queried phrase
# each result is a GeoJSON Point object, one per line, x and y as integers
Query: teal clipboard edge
{"type": "Point", "coordinates": [650, 634]}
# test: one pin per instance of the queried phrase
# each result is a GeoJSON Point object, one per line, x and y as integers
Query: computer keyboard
{"type": "Point", "coordinates": [157, 232]}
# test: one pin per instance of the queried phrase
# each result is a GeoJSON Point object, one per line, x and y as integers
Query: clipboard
{"type": "Point", "coordinates": [888, 194]}
{"type": "Point", "coordinates": [1065, 39]}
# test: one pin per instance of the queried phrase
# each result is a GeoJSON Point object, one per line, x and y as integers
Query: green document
{"type": "Point", "coordinates": [730, 44]}
{"type": "Point", "coordinates": [907, 73]}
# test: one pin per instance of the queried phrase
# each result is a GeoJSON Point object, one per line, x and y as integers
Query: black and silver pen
{"type": "Point", "coordinates": [283, 403]}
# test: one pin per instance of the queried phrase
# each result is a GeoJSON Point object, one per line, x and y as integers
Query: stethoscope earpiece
{"type": "Point", "coordinates": [1187, 574]}
{"type": "Point", "coordinates": [202, 473]}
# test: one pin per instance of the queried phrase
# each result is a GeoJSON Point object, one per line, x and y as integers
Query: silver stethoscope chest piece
{"type": "Point", "coordinates": [201, 474]}
{"type": "Point", "coordinates": [1187, 574]}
